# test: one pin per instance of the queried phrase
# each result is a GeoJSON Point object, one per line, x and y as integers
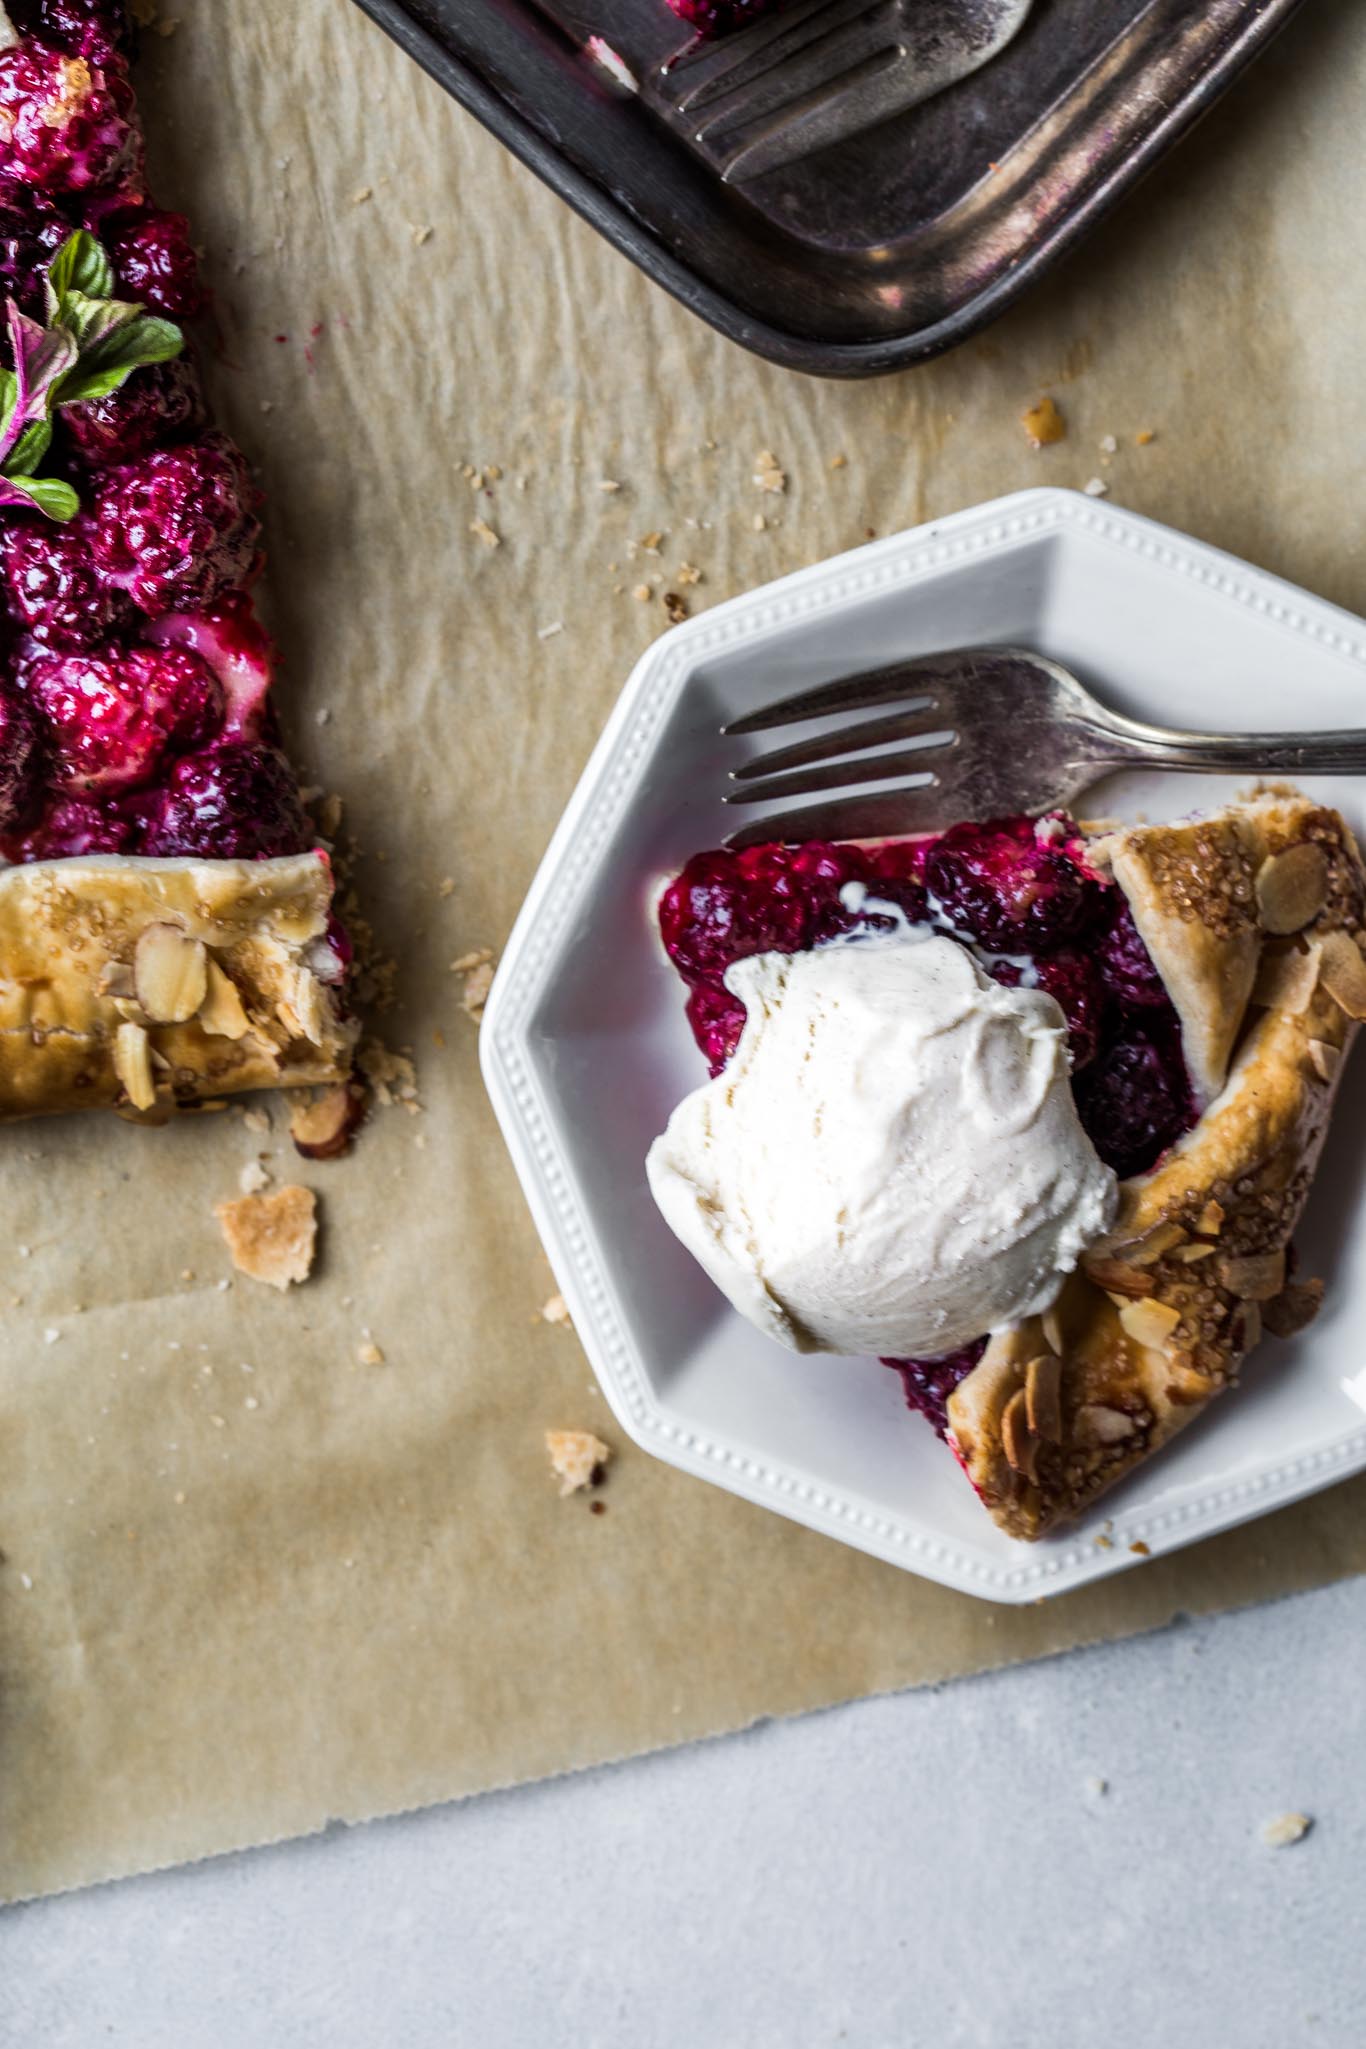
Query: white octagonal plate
{"type": "Point", "coordinates": [586, 1050]}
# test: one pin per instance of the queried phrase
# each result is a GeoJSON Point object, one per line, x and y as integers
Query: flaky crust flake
{"type": "Point", "coordinates": [1169, 1303]}
{"type": "Point", "coordinates": [69, 933]}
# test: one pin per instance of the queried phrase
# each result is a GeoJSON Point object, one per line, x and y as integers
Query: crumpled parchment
{"type": "Point", "coordinates": [253, 1578]}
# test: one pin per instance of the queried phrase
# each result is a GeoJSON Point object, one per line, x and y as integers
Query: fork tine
{"type": "Point", "coordinates": [706, 67]}
{"type": "Point", "coordinates": [821, 70]}
{"type": "Point", "coordinates": [925, 717]}
{"type": "Point", "coordinates": [912, 679]}
{"type": "Point", "coordinates": [883, 816]}
{"type": "Point", "coordinates": [843, 775]}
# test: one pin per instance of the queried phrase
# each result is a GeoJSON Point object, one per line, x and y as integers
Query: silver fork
{"type": "Point", "coordinates": [993, 731]}
{"type": "Point", "coordinates": [817, 71]}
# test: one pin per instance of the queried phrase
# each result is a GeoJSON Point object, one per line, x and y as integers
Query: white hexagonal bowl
{"type": "Point", "coordinates": [586, 1051]}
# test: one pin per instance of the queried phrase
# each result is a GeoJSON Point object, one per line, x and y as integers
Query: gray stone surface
{"type": "Point", "coordinates": [934, 1869]}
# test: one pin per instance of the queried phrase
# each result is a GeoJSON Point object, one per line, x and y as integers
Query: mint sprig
{"type": "Point", "coordinates": [88, 346]}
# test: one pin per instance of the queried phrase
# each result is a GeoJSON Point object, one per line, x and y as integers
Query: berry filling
{"type": "Point", "coordinates": [1020, 894]}
{"type": "Point", "coordinates": [719, 17]}
{"type": "Point", "coordinates": [134, 674]}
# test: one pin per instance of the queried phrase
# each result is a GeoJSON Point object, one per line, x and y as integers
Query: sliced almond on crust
{"type": "Point", "coordinates": [1294, 1309]}
{"type": "Point", "coordinates": [1156, 1245]}
{"type": "Point", "coordinates": [1104, 1425]}
{"type": "Point", "coordinates": [1019, 1446]}
{"type": "Point", "coordinates": [1256, 1277]}
{"type": "Point", "coordinates": [321, 1126]}
{"type": "Point", "coordinates": [1189, 1254]}
{"type": "Point", "coordinates": [1287, 981]}
{"type": "Point", "coordinates": [1292, 887]}
{"type": "Point", "coordinates": [1210, 1221]}
{"type": "Point", "coordinates": [1118, 1277]}
{"type": "Point", "coordinates": [1051, 1325]}
{"type": "Point", "coordinates": [271, 1237]}
{"type": "Point", "coordinates": [1324, 1059]}
{"type": "Point", "coordinates": [1343, 974]}
{"type": "Point", "coordinates": [133, 1065]}
{"type": "Point", "coordinates": [1149, 1323]}
{"type": "Point", "coordinates": [1246, 1328]}
{"type": "Point", "coordinates": [221, 1012]}
{"type": "Point", "coordinates": [170, 973]}
{"type": "Point", "coordinates": [1043, 1404]}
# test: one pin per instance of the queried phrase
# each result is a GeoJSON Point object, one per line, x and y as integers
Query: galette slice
{"type": "Point", "coordinates": [1210, 979]}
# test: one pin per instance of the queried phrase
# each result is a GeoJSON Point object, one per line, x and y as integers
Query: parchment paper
{"type": "Point", "coordinates": [250, 1584]}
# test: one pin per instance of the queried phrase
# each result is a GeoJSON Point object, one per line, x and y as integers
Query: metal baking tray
{"type": "Point", "coordinates": [887, 248]}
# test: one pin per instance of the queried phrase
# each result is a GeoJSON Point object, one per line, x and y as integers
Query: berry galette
{"type": "Point", "coordinates": [1208, 979]}
{"type": "Point", "coordinates": [165, 910]}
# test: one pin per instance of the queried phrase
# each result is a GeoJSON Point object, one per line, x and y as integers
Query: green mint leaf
{"type": "Point", "coordinates": [49, 494]}
{"type": "Point", "coordinates": [90, 320]}
{"type": "Point", "coordinates": [115, 355]}
{"type": "Point", "coordinates": [80, 265]}
{"type": "Point", "coordinates": [29, 450]}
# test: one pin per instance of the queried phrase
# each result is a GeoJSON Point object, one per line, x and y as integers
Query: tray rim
{"type": "Point", "coordinates": [780, 345]}
{"type": "Point", "coordinates": [583, 1267]}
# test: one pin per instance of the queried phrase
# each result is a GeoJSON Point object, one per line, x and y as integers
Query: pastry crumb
{"type": "Point", "coordinates": [477, 967]}
{"type": "Point", "coordinates": [1141, 1549]}
{"type": "Point", "coordinates": [271, 1238]}
{"type": "Point", "coordinates": [369, 1353]}
{"type": "Point", "coordinates": [1044, 423]}
{"type": "Point", "coordinates": [556, 1310]}
{"type": "Point", "coordinates": [392, 1076]}
{"type": "Point", "coordinates": [675, 608]}
{"type": "Point", "coordinates": [256, 1120]}
{"type": "Point", "coordinates": [548, 632]}
{"type": "Point", "coordinates": [577, 1458]}
{"type": "Point", "coordinates": [253, 1178]}
{"type": "Point", "coordinates": [1285, 1829]}
{"type": "Point", "coordinates": [1096, 487]}
{"type": "Point", "coordinates": [688, 573]}
{"type": "Point", "coordinates": [446, 886]}
{"type": "Point", "coordinates": [769, 474]}
{"type": "Point", "coordinates": [1146, 437]}
{"type": "Point", "coordinates": [482, 531]}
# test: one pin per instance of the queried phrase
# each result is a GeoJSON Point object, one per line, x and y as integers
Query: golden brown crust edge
{"type": "Point", "coordinates": [89, 1019]}
{"type": "Point", "coordinates": [1170, 1302]}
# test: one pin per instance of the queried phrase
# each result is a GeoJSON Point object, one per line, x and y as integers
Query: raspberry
{"type": "Point", "coordinates": [1007, 890]}
{"type": "Point", "coordinates": [98, 30]}
{"type": "Point", "coordinates": [1135, 1101]}
{"type": "Point", "coordinates": [51, 585]}
{"type": "Point", "coordinates": [1126, 966]}
{"type": "Point", "coordinates": [928, 1383]}
{"type": "Point", "coordinates": [112, 717]}
{"type": "Point", "coordinates": [152, 256]}
{"type": "Point", "coordinates": [30, 237]}
{"type": "Point", "coordinates": [159, 403]}
{"type": "Point", "coordinates": [75, 825]}
{"type": "Point", "coordinates": [19, 760]}
{"type": "Point", "coordinates": [724, 907]}
{"type": "Point", "coordinates": [236, 802]}
{"type": "Point", "coordinates": [231, 639]}
{"type": "Point", "coordinates": [178, 527]}
{"type": "Point", "coordinates": [64, 126]}
{"type": "Point", "coordinates": [717, 1019]}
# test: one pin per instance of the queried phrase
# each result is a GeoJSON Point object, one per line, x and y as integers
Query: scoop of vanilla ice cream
{"type": "Point", "coordinates": [892, 1162]}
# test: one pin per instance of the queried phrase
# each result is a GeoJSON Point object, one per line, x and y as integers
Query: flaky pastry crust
{"type": "Point", "coordinates": [1254, 918]}
{"type": "Point", "coordinates": [234, 989]}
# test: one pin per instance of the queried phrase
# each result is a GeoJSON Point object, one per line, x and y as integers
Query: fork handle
{"type": "Point", "coordinates": [1339, 753]}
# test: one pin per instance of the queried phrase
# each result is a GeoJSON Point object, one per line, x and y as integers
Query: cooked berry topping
{"type": "Point", "coordinates": [155, 261]}
{"type": "Point", "coordinates": [929, 1382]}
{"type": "Point", "coordinates": [161, 403]}
{"type": "Point", "coordinates": [1071, 980]}
{"type": "Point", "coordinates": [19, 760]}
{"type": "Point", "coordinates": [111, 718]}
{"type": "Point", "coordinates": [1000, 885]}
{"type": "Point", "coordinates": [1135, 1100]}
{"type": "Point", "coordinates": [236, 802]}
{"type": "Point", "coordinates": [725, 906]}
{"type": "Point", "coordinates": [1124, 962]}
{"type": "Point", "coordinates": [65, 124]}
{"type": "Point", "coordinates": [98, 30]}
{"type": "Point", "coordinates": [31, 233]}
{"type": "Point", "coordinates": [52, 587]}
{"type": "Point", "coordinates": [717, 1019]}
{"type": "Point", "coordinates": [75, 825]}
{"type": "Point", "coordinates": [178, 527]}
{"type": "Point", "coordinates": [718, 17]}
{"type": "Point", "coordinates": [231, 639]}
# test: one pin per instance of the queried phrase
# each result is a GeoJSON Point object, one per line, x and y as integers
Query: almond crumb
{"type": "Point", "coordinates": [1285, 1829]}
{"type": "Point", "coordinates": [1146, 437]}
{"type": "Point", "coordinates": [641, 593]}
{"type": "Point", "coordinates": [688, 574]}
{"type": "Point", "coordinates": [577, 1458]}
{"type": "Point", "coordinates": [481, 529]}
{"type": "Point", "coordinates": [369, 1353]}
{"type": "Point", "coordinates": [768, 472]}
{"type": "Point", "coordinates": [271, 1238]}
{"type": "Point", "coordinates": [556, 1310]}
